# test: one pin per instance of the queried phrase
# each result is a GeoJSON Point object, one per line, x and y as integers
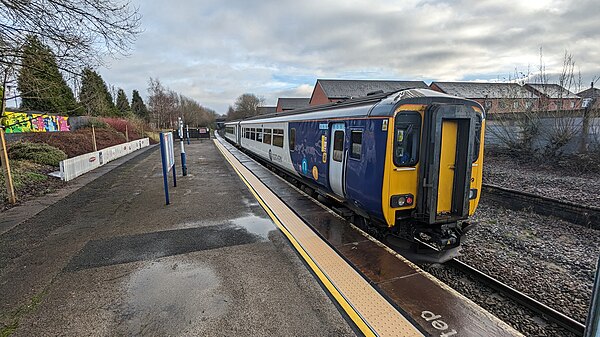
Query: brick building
{"type": "Point", "coordinates": [291, 103]}
{"type": "Point", "coordinates": [553, 97]}
{"type": "Point", "coordinates": [329, 91]}
{"type": "Point", "coordinates": [494, 97]}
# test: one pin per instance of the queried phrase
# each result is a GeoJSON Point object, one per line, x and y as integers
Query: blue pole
{"type": "Point", "coordinates": [174, 175]}
{"type": "Point", "coordinates": [163, 157]}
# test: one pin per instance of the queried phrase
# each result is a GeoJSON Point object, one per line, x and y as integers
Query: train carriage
{"type": "Point", "coordinates": [409, 161]}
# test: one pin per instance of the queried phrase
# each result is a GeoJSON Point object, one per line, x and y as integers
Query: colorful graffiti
{"type": "Point", "coordinates": [18, 122]}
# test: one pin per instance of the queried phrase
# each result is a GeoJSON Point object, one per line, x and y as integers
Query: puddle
{"type": "Point", "coordinates": [255, 225]}
{"type": "Point", "coordinates": [168, 296]}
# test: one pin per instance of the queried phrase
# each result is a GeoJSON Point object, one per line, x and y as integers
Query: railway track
{"type": "Point", "coordinates": [539, 308]}
{"type": "Point", "coordinates": [587, 216]}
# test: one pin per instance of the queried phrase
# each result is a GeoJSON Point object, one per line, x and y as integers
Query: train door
{"type": "Point", "coordinates": [447, 152]}
{"type": "Point", "coordinates": [238, 133]}
{"type": "Point", "coordinates": [337, 158]}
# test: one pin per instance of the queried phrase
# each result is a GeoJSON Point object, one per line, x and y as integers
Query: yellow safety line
{"type": "Point", "coordinates": [350, 311]}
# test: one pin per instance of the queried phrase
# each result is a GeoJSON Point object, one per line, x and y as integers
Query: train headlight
{"type": "Point", "coordinates": [401, 200]}
{"type": "Point", "coordinates": [472, 193]}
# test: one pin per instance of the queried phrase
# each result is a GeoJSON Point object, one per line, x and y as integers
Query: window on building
{"type": "Point", "coordinates": [338, 145]}
{"type": "Point", "coordinates": [292, 139]}
{"type": "Point", "coordinates": [278, 137]}
{"type": "Point", "coordinates": [528, 104]}
{"type": "Point", "coordinates": [406, 138]}
{"type": "Point", "coordinates": [488, 104]}
{"type": "Point", "coordinates": [267, 137]}
{"type": "Point", "coordinates": [515, 104]}
{"type": "Point", "coordinates": [259, 135]}
{"type": "Point", "coordinates": [356, 144]}
{"type": "Point", "coordinates": [502, 105]}
{"type": "Point", "coordinates": [559, 104]}
{"type": "Point", "coordinates": [572, 104]}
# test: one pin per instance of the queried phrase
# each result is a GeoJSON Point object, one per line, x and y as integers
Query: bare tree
{"type": "Point", "coordinates": [79, 32]}
{"type": "Point", "coordinates": [246, 105]}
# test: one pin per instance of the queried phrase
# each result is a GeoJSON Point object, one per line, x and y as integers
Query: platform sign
{"type": "Point", "coordinates": [592, 328]}
{"type": "Point", "coordinates": [167, 154]}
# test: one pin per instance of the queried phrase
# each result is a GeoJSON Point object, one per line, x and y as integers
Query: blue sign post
{"type": "Point", "coordinates": [167, 155]}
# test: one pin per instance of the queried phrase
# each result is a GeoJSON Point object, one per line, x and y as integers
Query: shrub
{"type": "Point", "coordinates": [39, 153]}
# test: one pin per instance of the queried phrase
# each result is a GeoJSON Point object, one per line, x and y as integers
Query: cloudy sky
{"type": "Point", "coordinates": [215, 50]}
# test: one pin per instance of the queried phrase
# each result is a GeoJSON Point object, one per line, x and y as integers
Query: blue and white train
{"type": "Point", "coordinates": [409, 161]}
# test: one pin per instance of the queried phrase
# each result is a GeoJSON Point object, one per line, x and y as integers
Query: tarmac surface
{"type": "Point", "coordinates": [111, 259]}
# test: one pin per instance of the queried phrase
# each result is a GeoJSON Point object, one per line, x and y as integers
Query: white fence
{"type": "Point", "coordinates": [74, 167]}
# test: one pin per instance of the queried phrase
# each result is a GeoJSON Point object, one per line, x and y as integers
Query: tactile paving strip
{"type": "Point", "coordinates": [370, 311]}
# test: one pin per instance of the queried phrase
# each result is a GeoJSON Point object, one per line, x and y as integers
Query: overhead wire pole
{"type": "Point", "coordinates": [10, 189]}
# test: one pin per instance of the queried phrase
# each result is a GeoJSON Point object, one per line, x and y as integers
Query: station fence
{"type": "Point", "coordinates": [74, 167]}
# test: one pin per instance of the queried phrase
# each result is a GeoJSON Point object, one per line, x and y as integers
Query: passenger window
{"type": "Point", "coordinates": [356, 147]}
{"type": "Point", "coordinates": [278, 137]}
{"type": "Point", "coordinates": [292, 139]}
{"type": "Point", "coordinates": [406, 139]}
{"type": "Point", "coordinates": [253, 133]}
{"type": "Point", "coordinates": [267, 137]}
{"type": "Point", "coordinates": [338, 145]}
{"type": "Point", "coordinates": [259, 135]}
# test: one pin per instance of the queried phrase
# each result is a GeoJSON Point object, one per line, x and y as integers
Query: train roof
{"type": "Point", "coordinates": [381, 104]}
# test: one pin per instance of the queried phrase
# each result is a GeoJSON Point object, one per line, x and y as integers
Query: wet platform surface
{"type": "Point", "coordinates": [434, 307]}
{"type": "Point", "coordinates": [111, 259]}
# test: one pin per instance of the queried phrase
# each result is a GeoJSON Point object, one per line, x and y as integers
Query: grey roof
{"type": "Point", "coordinates": [485, 90]}
{"type": "Point", "coordinates": [287, 103]}
{"type": "Point", "coordinates": [589, 93]}
{"type": "Point", "coordinates": [552, 90]}
{"type": "Point", "coordinates": [263, 110]}
{"type": "Point", "coordinates": [375, 105]}
{"type": "Point", "coordinates": [360, 88]}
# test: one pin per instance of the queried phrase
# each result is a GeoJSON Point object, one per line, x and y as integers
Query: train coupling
{"type": "Point", "coordinates": [443, 238]}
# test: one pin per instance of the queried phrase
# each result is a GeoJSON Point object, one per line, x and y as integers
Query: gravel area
{"type": "Point", "coordinates": [517, 316]}
{"type": "Point", "coordinates": [551, 260]}
{"type": "Point", "coordinates": [568, 185]}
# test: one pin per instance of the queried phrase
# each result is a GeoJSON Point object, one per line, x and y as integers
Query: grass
{"type": "Point", "coordinates": [16, 315]}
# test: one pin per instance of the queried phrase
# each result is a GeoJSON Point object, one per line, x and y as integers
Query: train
{"type": "Point", "coordinates": [409, 163]}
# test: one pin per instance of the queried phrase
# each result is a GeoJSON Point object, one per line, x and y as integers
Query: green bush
{"type": "Point", "coordinates": [39, 153]}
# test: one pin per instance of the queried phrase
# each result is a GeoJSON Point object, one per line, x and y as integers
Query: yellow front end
{"type": "Point", "coordinates": [404, 180]}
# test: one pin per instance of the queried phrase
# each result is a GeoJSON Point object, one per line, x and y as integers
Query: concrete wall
{"type": "Point", "coordinates": [497, 130]}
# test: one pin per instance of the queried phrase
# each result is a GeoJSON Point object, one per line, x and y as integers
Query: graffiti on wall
{"type": "Point", "coordinates": [17, 122]}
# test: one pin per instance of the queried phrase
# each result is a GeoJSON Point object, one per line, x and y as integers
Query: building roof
{"type": "Point", "coordinates": [590, 93]}
{"type": "Point", "coordinates": [289, 103]}
{"type": "Point", "coordinates": [360, 88]}
{"type": "Point", "coordinates": [381, 104]}
{"type": "Point", "coordinates": [485, 90]}
{"type": "Point", "coordinates": [263, 110]}
{"type": "Point", "coordinates": [551, 90]}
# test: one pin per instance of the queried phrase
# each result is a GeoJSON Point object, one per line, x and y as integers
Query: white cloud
{"type": "Point", "coordinates": [214, 50]}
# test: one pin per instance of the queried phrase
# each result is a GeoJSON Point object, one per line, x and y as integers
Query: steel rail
{"type": "Point", "coordinates": [521, 298]}
{"type": "Point", "coordinates": [588, 216]}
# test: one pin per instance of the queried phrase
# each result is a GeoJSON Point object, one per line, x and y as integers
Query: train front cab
{"type": "Point", "coordinates": [432, 179]}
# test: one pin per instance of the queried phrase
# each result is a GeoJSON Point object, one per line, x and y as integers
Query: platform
{"type": "Point", "coordinates": [239, 252]}
{"type": "Point", "coordinates": [413, 296]}
{"type": "Point", "coordinates": [111, 259]}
